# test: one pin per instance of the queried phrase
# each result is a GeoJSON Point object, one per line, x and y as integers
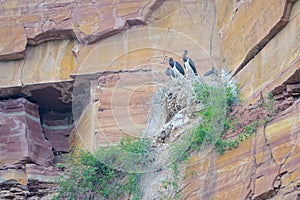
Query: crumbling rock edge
{"type": "Point", "coordinates": [265, 40]}
{"type": "Point", "coordinates": [66, 29]}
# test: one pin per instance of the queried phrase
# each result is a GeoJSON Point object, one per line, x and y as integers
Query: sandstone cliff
{"type": "Point", "coordinates": [82, 74]}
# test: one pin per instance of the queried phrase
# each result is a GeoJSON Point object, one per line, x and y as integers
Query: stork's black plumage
{"type": "Point", "coordinates": [189, 64]}
{"type": "Point", "coordinates": [176, 67]}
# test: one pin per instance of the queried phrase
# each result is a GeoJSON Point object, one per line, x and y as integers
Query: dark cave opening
{"type": "Point", "coordinates": [54, 102]}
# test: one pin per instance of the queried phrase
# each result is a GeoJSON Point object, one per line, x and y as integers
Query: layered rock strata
{"type": "Point", "coordinates": [264, 166]}
{"type": "Point", "coordinates": [57, 129]}
{"type": "Point", "coordinates": [26, 154]}
{"type": "Point", "coordinates": [258, 40]}
{"type": "Point", "coordinates": [32, 22]}
{"type": "Point", "coordinates": [22, 135]}
{"type": "Point", "coordinates": [39, 183]}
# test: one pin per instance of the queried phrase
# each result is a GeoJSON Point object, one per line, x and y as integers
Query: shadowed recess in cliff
{"type": "Point", "coordinates": [54, 107]}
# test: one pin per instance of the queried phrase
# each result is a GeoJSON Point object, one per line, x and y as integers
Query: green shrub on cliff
{"type": "Point", "coordinates": [87, 177]}
{"type": "Point", "coordinates": [216, 103]}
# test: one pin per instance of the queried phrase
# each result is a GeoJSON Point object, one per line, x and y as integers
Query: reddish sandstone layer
{"type": "Point", "coordinates": [25, 22]}
{"type": "Point", "coordinates": [21, 135]}
{"type": "Point", "coordinates": [58, 130]}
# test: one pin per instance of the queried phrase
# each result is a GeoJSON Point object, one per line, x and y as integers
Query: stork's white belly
{"type": "Point", "coordinates": [189, 70]}
{"type": "Point", "coordinates": [178, 74]}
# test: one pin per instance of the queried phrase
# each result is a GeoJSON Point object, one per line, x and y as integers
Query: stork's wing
{"type": "Point", "coordinates": [191, 62]}
{"type": "Point", "coordinates": [179, 68]}
{"type": "Point", "coordinates": [193, 66]}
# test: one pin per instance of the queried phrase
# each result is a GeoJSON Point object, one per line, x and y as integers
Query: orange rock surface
{"type": "Point", "coordinates": [264, 166]}
{"type": "Point", "coordinates": [247, 26]}
{"type": "Point", "coordinates": [32, 22]}
{"type": "Point", "coordinates": [116, 54]}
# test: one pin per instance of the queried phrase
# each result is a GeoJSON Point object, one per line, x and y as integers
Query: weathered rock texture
{"type": "Point", "coordinates": [263, 51]}
{"type": "Point", "coordinates": [273, 62]}
{"type": "Point", "coordinates": [115, 78]}
{"type": "Point", "coordinates": [131, 65]}
{"type": "Point", "coordinates": [38, 183]}
{"type": "Point", "coordinates": [124, 104]}
{"type": "Point", "coordinates": [57, 129]}
{"type": "Point", "coordinates": [22, 139]}
{"type": "Point", "coordinates": [251, 25]}
{"type": "Point", "coordinates": [32, 22]}
{"type": "Point", "coordinates": [264, 166]}
{"type": "Point", "coordinates": [47, 62]}
{"type": "Point", "coordinates": [26, 155]}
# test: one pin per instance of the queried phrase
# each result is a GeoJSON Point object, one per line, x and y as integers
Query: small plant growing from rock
{"type": "Point", "coordinates": [268, 104]}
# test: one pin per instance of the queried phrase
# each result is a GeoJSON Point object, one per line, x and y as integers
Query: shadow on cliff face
{"type": "Point", "coordinates": [288, 92]}
{"type": "Point", "coordinates": [35, 124]}
{"type": "Point", "coordinates": [54, 102]}
{"type": "Point", "coordinates": [51, 97]}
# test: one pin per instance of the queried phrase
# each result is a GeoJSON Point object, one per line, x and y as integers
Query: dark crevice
{"type": "Point", "coordinates": [54, 112]}
{"type": "Point", "coordinates": [251, 186]}
{"type": "Point", "coordinates": [268, 146]}
{"type": "Point", "coordinates": [267, 195]}
{"type": "Point", "coordinates": [283, 88]}
{"type": "Point", "coordinates": [54, 97]}
{"type": "Point", "coordinates": [274, 31]}
{"type": "Point", "coordinates": [96, 75]}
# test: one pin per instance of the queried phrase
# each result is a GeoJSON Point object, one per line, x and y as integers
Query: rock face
{"type": "Point", "coordinates": [115, 79]}
{"type": "Point", "coordinates": [38, 183]}
{"type": "Point", "coordinates": [58, 130]}
{"type": "Point", "coordinates": [53, 63]}
{"type": "Point", "coordinates": [126, 100]}
{"type": "Point", "coordinates": [26, 155]}
{"type": "Point", "coordinates": [264, 166]}
{"type": "Point", "coordinates": [261, 62]}
{"type": "Point", "coordinates": [251, 25]}
{"type": "Point", "coordinates": [21, 135]}
{"type": "Point", "coordinates": [32, 22]}
{"type": "Point", "coordinates": [131, 66]}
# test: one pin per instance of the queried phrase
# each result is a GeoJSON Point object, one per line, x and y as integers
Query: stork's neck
{"type": "Point", "coordinates": [171, 63]}
{"type": "Point", "coordinates": [184, 56]}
